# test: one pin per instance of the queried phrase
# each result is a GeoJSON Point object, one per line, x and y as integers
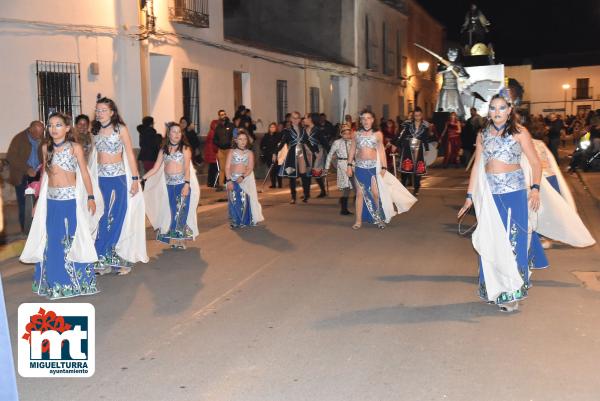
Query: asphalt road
{"type": "Point", "coordinates": [304, 308]}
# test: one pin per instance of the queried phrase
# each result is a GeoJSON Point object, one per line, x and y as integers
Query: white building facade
{"type": "Point", "coordinates": [560, 90]}
{"type": "Point", "coordinates": [62, 54]}
{"type": "Point", "coordinates": [170, 58]}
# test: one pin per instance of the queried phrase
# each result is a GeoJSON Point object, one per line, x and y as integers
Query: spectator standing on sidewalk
{"type": "Point", "coordinates": [83, 136]}
{"type": "Point", "coordinates": [327, 129]}
{"type": "Point", "coordinates": [210, 155]}
{"type": "Point", "coordinates": [191, 135]}
{"type": "Point", "coordinates": [268, 154]}
{"type": "Point", "coordinates": [223, 139]}
{"type": "Point", "coordinates": [149, 143]}
{"type": "Point", "coordinates": [468, 135]}
{"type": "Point", "coordinates": [24, 157]}
{"type": "Point", "coordinates": [555, 128]}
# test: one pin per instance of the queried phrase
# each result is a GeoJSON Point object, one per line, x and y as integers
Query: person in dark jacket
{"type": "Point", "coordinates": [327, 129]}
{"type": "Point", "coordinates": [223, 139]}
{"type": "Point", "coordinates": [468, 135]}
{"type": "Point", "coordinates": [248, 123]}
{"type": "Point", "coordinates": [24, 156]}
{"type": "Point", "coordinates": [268, 154]}
{"type": "Point", "coordinates": [316, 137]}
{"type": "Point", "coordinates": [149, 143]}
{"type": "Point", "coordinates": [298, 161]}
{"type": "Point", "coordinates": [192, 136]}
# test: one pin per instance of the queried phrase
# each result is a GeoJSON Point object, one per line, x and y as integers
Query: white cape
{"type": "Point", "coordinates": [492, 242]}
{"type": "Point", "coordinates": [565, 191]}
{"type": "Point", "coordinates": [248, 185]}
{"type": "Point", "coordinates": [557, 218]}
{"type": "Point", "coordinates": [392, 193]}
{"type": "Point", "coordinates": [82, 249]}
{"type": "Point", "coordinates": [131, 245]}
{"type": "Point", "coordinates": [554, 219]}
{"type": "Point", "coordinates": [157, 202]}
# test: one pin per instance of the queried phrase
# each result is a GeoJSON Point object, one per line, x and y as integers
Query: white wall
{"type": "Point", "coordinates": [215, 69]}
{"type": "Point", "coordinates": [26, 43]}
{"type": "Point", "coordinates": [543, 87]}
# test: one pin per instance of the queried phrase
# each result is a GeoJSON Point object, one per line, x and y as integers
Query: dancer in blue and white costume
{"type": "Point", "coordinates": [506, 177]}
{"type": "Point", "coordinates": [172, 195]}
{"type": "Point", "coordinates": [60, 240]}
{"type": "Point", "coordinates": [243, 206]}
{"type": "Point", "coordinates": [377, 191]}
{"type": "Point", "coordinates": [121, 235]}
{"type": "Point", "coordinates": [565, 204]}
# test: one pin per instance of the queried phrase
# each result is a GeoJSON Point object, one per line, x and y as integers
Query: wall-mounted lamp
{"type": "Point", "coordinates": [422, 66]}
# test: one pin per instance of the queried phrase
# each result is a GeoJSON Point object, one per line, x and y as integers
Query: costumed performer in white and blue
{"type": "Point", "coordinates": [505, 182]}
{"type": "Point", "coordinates": [60, 240]}
{"type": "Point", "coordinates": [244, 208]}
{"type": "Point", "coordinates": [121, 235]}
{"type": "Point", "coordinates": [377, 191]}
{"type": "Point", "coordinates": [566, 203]}
{"type": "Point", "coordinates": [340, 149]}
{"type": "Point", "coordinates": [172, 195]}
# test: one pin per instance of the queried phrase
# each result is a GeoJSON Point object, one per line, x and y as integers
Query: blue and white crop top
{"type": "Point", "coordinates": [502, 148]}
{"type": "Point", "coordinates": [366, 141]}
{"type": "Point", "coordinates": [239, 157]}
{"type": "Point", "coordinates": [65, 159]}
{"type": "Point", "coordinates": [111, 144]}
{"type": "Point", "coordinates": [174, 157]}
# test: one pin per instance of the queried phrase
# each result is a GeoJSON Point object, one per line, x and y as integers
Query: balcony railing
{"type": "Point", "coordinates": [583, 93]}
{"type": "Point", "coordinates": [190, 12]}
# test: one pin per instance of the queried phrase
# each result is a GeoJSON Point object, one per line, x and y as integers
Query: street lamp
{"type": "Point", "coordinates": [566, 87]}
{"type": "Point", "coordinates": [423, 66]}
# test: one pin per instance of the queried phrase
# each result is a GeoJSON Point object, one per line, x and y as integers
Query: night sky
{"type": "Point", "coordinates": [527, 29]}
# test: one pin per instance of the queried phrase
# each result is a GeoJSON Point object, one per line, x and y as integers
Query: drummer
{"type": "Point", "coordinates": [415, 132]}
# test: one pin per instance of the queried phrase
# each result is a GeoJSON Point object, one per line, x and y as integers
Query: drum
{"type": "Point", "coordinates": [431, 155]}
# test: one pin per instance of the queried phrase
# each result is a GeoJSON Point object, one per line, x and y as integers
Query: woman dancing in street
{"type": "Point", "coordinates": [121, 237]}
{"type": "Point", "coordinates": [377, 191]}
{"type": "Point", "coordinates": [498, 189]}
{"type": "Point", "coordinates": [244, 208]}
{"type": "Point", "coordinates": [506, 177]}
{"type": "Point", "coordinates": [60, 240]}
{"type": "Point", "coordinates": [176, 187]}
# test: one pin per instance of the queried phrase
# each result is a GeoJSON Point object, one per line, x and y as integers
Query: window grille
{"type": "Point", "coordinates": [191, 97]}
{"type": "Point", "coordinates": [59, 88]}
{"type": "Point", "coordinates": [282, 100]}
{"type": "Point", "coordinates": [190, 12]}
{"type": "Point", "coordinates": [314, 100]}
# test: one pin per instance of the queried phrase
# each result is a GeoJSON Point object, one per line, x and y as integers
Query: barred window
{"type": "Point", "coordinates": [282, 100]}
{"type": "Point", "coordinates": [190, 12]}
{"type": "Point", "coordinates": [314, 100]}
{"type": "Point", "coordinates": [191, 98]}
{"type": "Point", "coordinates": [59, 88]}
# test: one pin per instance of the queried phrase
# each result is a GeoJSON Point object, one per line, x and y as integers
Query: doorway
{"type": "Point", "coordinates": [241, 90]}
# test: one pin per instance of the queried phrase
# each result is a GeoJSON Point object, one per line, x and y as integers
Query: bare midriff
{"type": "Point", "coordinates": [59, 178]}
{"type": "Point", "coordinates": [497, 167]}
